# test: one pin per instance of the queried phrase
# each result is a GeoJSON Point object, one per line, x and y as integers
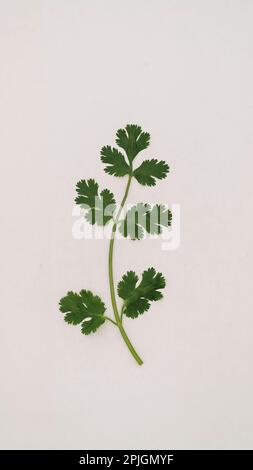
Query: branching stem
{"type": "Point", "coordinates": [111, 320]}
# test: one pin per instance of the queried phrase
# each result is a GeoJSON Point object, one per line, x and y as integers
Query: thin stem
{"type": "Point", "coordinates": [111, 320]}
{"type": "Point", "coordinates": [111, 278]}
{"type": "Point", "coordinates": [121, 313]}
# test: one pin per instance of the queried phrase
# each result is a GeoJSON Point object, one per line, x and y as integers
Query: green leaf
{"type": "Point", "coordinates": [150, 170]}
{"type": "Point", "coordinates": [87, 191]}
{"type": "Point", "coordinates": [117, 165]}
{"type": "Point", "coordinates": [128, 284]}
{"type": "Point", "coordinates": [100, 207]}
{"type": "Point", "coordinates": [85, 308]}
{"type": "Point", "coordinates": [142, 217]}
{"type": "Point", "coordinates": [137, 298]}
{"type": "Point", "coordinates": [132, 139]}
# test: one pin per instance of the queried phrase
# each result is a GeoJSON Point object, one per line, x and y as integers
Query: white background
{"type": "Point", "coordinates": [72, 73]}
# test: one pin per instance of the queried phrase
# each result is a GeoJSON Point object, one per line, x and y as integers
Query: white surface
{"type": "Point", "coordinates": [72, 72]}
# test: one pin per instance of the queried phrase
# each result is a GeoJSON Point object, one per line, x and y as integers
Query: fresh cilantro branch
{"type": "Point", "coordinates": [85, 308]}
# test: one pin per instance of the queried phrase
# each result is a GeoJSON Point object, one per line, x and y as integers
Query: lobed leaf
{"type": "Point", "coordinates": [132, 139]}
{"type": "Point", "coordinates": [87, 191]}
{"type": "Point", "coordinates": [100, 207]}
{"type": "Point", "coordinates": [117, 165]}
{"type": "Point", "coordinates": [85, 308]}
{"type": "Point", "coordinates": [137, 298]}
{"type": "Point", "coordinates": [142, 217]}
{"type": "Point", "coordinates": [150, 170]}
{"type": "Point", "coordinates": [128, 284]}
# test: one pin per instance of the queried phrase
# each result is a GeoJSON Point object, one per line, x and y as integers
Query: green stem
{"type": "Point", "coordinates": [121, 313]}
{"type": "Point", "coordinates": [111, 279]}
{"type": "Point", "coordinates": [111, 320]}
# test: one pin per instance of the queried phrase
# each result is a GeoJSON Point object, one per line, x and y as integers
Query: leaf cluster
{"type": "Point", "coordinates": [85, 308]}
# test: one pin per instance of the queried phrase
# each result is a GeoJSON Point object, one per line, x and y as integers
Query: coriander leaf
{"type": "Point", "coordinates": [100, 207]}
{"type": "Point", "coordinates": [137, 298]}
{"type": "Point", "coordinates": [150, 170]}
{"type": "Point", "coordinates": [87, 191]}
{"type": "Point", "coordinates": [117, 165]}
{"type": "Point", "coordinates": [85, 308]}
{"type": "Point", "coordinates": [128, 284]}
{"type": "Point", "coordinates": [104, 209]}
{"type": "Point", "coordinates": [157, 218]}
{"type": "Point", "coordinates": [142, 217]}
{"type": "Point", "coordinates": [134, 222]}
{"type": "Point", "coordinates": [132, 139]}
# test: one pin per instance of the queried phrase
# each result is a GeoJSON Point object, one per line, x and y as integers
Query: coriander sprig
{"type": "Point", "coordinates": [85, 308]}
